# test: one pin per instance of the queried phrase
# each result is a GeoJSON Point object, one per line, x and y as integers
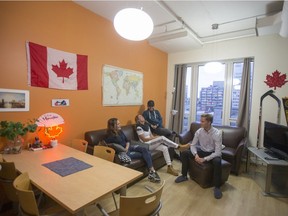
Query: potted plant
{"type": "Point", "coordinates": [13, 132]}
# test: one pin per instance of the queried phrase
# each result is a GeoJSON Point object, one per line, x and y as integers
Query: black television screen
{"type": "Point", "coordinates": [276, 139]}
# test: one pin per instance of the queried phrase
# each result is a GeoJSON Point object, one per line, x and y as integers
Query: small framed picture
{"type": "Point", "coordinates": [60, 102]}
{"type": "Point", "coordinates": [13, 100]}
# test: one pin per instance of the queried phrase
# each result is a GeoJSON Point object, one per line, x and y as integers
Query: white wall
{"type": "Point", "coordinates": [270, 53]}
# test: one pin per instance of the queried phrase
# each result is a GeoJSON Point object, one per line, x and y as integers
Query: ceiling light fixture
{"type": "Point", "coordinates": [133, 24]}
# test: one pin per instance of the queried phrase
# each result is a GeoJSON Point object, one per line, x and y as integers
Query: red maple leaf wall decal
{"type": "Point", "coordinates": [276, 80]}
{"type": "Point", "coordinates": [62, 71]}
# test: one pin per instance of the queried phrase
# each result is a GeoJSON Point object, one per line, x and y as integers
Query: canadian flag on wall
{"type": "Point", "coordinates": [51, 68]}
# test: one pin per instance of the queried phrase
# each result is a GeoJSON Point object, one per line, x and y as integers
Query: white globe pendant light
{"type": "Point", "coordinates": [133, 24]}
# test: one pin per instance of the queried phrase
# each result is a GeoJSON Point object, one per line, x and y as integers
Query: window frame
{"type": "Point", "coordinates": [228, 88]}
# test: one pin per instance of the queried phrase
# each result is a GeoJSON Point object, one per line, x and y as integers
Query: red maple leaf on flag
{"type": "Point", "coordinates": [62, 71]}
{"type": "Point", "coordinates": [276, 80]}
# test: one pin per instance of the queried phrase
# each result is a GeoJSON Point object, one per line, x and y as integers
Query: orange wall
{"type": "Point", "coordinates": [71, 28]}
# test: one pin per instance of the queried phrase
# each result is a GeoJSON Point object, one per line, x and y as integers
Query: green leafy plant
{"type": "Point", "coordinates": [11, 130]}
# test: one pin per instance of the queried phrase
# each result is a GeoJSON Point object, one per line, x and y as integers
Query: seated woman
{"type": "Point", "coordinates": [116, 135]}
{"type": "Point", "coordinates": [156, 142]}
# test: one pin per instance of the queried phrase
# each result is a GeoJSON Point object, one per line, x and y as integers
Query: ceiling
{"type": "Point", "coordinates": [186, 25]}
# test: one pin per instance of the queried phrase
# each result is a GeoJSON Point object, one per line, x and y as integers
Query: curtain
{"type": "Point", "coordinates": [244, 103]}
{"type": "Point", "coordinates": [244, 100]}
{"type": "Point", "coordinates": [178, 99]}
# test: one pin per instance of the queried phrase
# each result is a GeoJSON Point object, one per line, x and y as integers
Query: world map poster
{"type": "Point", "coordinates": [121, 87]}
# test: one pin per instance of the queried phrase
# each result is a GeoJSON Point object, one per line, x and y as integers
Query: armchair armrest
{"type": "Point", "coordinates": [241, 145]}
{"type": "Point", "coordinates": [238, 155]}
{"type": "Point", "coordinates": [185, 137]}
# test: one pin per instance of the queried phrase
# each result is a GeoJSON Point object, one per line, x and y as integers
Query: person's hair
{"type": "Point", "coordinates": [150, 103]}
{"type": "Point", "coordinates": [112, 126]}
{"type": "Point", "coordinates": [208, 117]}
{"type": "Point", "coordinates": [136, 119]}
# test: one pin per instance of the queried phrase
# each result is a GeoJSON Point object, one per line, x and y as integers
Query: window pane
{"type": "Point", "coordinates": [187, 108]}
{"type": "Point", "coordinates": [210, 93]}
{"type": "Point", "coordinates": [236, 86]}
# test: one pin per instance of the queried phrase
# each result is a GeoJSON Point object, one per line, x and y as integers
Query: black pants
{"type": "Point", "coordinates": [187, 155]}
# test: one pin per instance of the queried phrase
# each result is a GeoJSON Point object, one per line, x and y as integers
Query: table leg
{"type": "Point", "coordinates": [248, 161]}
{"type": "Point", "coordinates": [123, 191]}
{"type": "Point", "coordinates": [268, 179]}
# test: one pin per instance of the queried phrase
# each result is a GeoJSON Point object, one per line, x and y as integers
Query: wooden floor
{"type": "Point", "coordinates": [241, 196]}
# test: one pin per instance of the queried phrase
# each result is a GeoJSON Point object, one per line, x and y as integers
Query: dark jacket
{"type": "Point", "coordinates": [153, 117]}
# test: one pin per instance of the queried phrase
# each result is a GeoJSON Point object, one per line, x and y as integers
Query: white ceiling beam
{"type": "Point", "coordinates": [179, 20]}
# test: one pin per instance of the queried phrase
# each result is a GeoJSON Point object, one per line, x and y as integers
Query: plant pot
{"type": "Point", "coordinates": [14, 146]}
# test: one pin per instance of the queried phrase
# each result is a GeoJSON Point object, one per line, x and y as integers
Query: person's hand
{"type": "Point", "coordinates": [154, 126]}
{"type": "Point", "coordinates": [127, 147]}
{"type": "Point", "coordinates": [198, 159]}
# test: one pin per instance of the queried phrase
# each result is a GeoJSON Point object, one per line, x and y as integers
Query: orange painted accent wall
{"type": "Point", "coordinates": [69, 27]}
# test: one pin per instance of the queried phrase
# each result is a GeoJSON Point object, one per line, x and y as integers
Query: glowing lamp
{"type": "Point", "coordinates": [53, 132]}
{"type": "Point", "coordinates": [51, 123]}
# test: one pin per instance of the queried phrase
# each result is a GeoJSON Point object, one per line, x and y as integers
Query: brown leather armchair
{"type": "Point", "coordinates": [233, 138]}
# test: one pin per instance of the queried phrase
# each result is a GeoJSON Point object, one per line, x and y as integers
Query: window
{"type": "Point", "coordinates": [216, 92]}
{"type": "Point", "coordinates": [210, 93]}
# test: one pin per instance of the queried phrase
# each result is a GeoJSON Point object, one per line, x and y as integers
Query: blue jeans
{"type": "Point", "coordinates": [137, 152]}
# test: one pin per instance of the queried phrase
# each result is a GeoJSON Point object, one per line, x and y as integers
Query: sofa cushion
{"type": "Point", "coordinates": [130, 132]}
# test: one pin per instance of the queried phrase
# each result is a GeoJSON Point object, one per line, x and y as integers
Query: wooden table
{"type": "Point", "coordinates": [77, 190]}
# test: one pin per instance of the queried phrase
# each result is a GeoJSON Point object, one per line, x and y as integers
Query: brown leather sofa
{"type": "Point", "coordinates": [233, 138]}
{"type": "Point", "coordinates": [93, 138]}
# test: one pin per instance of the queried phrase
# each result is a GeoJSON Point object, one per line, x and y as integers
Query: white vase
{"type": "Point", "coordinates": [53, 143]}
